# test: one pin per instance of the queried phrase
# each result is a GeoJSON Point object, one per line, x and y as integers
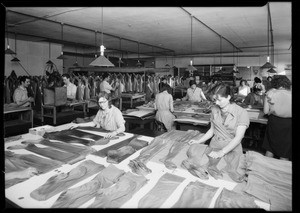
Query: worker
{"type": "Point", "coordinates": [105, 86]}
{"type": "Point", "coordinates": [108, 117]}
{"type": "Point", "coordinates": [164, 105]}
{"type": "Point", "coordinates": [194, 93]}
{"type": "Point", "coordinates": [71, 88]}
{"type": "Point", "coordinates": [228, 125]}
{"type": "Point", "coordinates": [20, 95]}
{"type": "Point", "coordinates": [243, 90]}
{"type": "Point", "coordinates": [278, 105]}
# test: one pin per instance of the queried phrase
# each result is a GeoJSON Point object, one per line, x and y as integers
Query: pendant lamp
{"type": "Point", "coordinates": [121, 54]}
{"type": "Point", "coordinates": [235, 69]}
{"type": "Point", "coordinates": [272, 70]}
{"type": "Point", "coordinates": [138, 64]}
{"type": "Point", "coordinates": [49, 61]}
{"type": "Point", "coordinates": [76, 63]}
{"type": "Point", "coordinates": [268, 65]}
{"type": "Point", "coordinates": [190, 67]}
{"type": "Point", "coordinates": [102, 61]}
{"type": "Point", "coordinates": [15, 59]}
{"type": "Point", "coordinates": [8, 50]}
{"type": "Point", "coordinates": [62, 38]}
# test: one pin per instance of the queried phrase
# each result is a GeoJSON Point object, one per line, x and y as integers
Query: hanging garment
{"type": "Point", "coordinates": [135, 84]}
{"type": "Point", "coordinates": [176, 148]}
{"type": "Point", "coordinates": [193, 162]}
{"type": "Point", "coordinates": [86, 95]}
{"type": "Point", "coordinates": [119, 193]}
{"type": "Point", "coordinates": [196, 195]}
{"type": "Point", "coordinates": [55, 154]}
{"type": "Point", "coordinates": [117, 156]}
{"type": "Point", "coordinates": [161, 191]}
{"type": "Point", "coordinates": [75, 197]}
{"type": "Point", "coordinates": [231, 199]}
{"type": "Point", "coordinates": [63, 181]}
{"type": "Point", "coordinates": [130, 87]}
{"type": "Point", "coordinates": [18, 162]}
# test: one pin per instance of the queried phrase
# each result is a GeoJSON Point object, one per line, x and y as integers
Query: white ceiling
{"type": "Point", "coordinates": [167, 29]}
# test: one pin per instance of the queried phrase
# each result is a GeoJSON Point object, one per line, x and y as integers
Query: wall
{"type": "Point", "coordinates": [33, 57]}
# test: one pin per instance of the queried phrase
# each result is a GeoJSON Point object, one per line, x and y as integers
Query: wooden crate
{"type": "Point", "coordinates": [56, 97]}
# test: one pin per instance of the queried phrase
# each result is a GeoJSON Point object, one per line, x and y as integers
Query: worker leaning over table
{"type": "Point", "coordinates": [108, 117]}
{"type": "Point", "coordinates": [194, 93]}
{"type": "Point", "coordinates": [228, 125]}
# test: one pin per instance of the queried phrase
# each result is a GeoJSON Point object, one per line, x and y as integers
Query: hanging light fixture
{"type": "Point", "coordinates": [268, 65]}
{"type": "Point", "coordinates": [62, 38]}
{"type": "Point", "coordinates": [76, 63]}
{"type": "Point", "coordinates": [8, 50]}
{"type": "Point", "coordinates": [49, 61]}
{"type": "Point", "coordinates": [138, 64]}
{"type": "Point", "coordinates": [235, 69]}
{"type": "Point", "coordinates": [15, 59]}
{"type": "Point", "coordinates": [272, 70]}
{"type": "Point", "coordinates": [120, 58]}
{"type": "Point", "coordinates": [190, 67]}
{"type": "Point", "coordinates": [102, 61]}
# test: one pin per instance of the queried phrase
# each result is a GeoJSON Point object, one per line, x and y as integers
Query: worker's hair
{"type": "Point", "coordinates": [23, 78]}
{"type": "Point", "coordinates": [223, 90]}
{"type": "Point", "coordinates": [192, 82]}
{"type": "Point", "coordinates": [166, 87]}
{"type": "Point", "coordinates": [243, 80]}
{"type": "Point", "coordinates": [281, 81]}
{"type": "Point", "coordinates": [66, 75]}
{"type": "Point", "coordinates": [105, 95]}
{"type": "Point", "coordinates": [105, 75]}
{"type": "Point", "coordinates": [257, 80]}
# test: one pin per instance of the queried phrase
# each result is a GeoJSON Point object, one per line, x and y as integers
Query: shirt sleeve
{"type": "Point", "coordinates": [108, 86]}
{"type": "Point", "coordinates": [97, 119]}
{"type": "Point", "coordinates": [17, 96]}
{"type": "Point", "coordinates": [171, 104]}
{"type": "Point", "coordinates": [73, 92]}
{"type": "Point", "coordinates": [243, 119]}
{"type": "Point", "coordinates": [118, 117]}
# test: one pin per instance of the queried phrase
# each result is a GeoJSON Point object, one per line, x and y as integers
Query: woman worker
{"type": "Point", "coordinates": [194, 93]}
{"type": "Point", "coordinates": [108, 117]}
{"type": "Point", "coordinates": [278, 105]}
{"type": "Point", "coordinates": [164, 105]}
{"type": "Point", "coordinates": [228, 125]}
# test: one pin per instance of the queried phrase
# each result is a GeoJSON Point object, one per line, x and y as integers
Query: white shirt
{"type": "Point", "coordinates": [244, 91]}
{"type": "Point", "coordinates": [105, 87]}
{"type": "Point", "coordinates": [71, 90]}
{"type": "Point", "coordinates": [195, 94]}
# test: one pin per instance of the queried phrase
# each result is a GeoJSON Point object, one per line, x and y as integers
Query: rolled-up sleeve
{"type": "Point", "coordinates": [96, 120]}
{"type": "Point", "coordinates": [243, 118]}
{"type": "Point", "coordinates": [118, 117]}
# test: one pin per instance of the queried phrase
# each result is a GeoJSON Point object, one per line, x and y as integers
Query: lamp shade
{"type": "Point", "coordinates": [267, 65]}
{"type": "Point", "coordinates": [272, 70]}
{"type": "Point", "coordinates": [167, 66]}
{"type": "Point", "coordinates": [49, 62]}
{"type": "Point", "coordinates": [61, 56]}
{"type": "Point", "coordinates": [76, 64]}
{"type": "Point", "coordinates": [101, 61]}
{"type": "Point", "coordinates": [9, 51]}
{"type": "Point", "coordinates": [191, 68]}
{"type": "Point", "coordinates": [120, 61]}
{"type": "Point", "coordinates": [138, 64]}
{"type": "Point", "coordinates": [15, 59]}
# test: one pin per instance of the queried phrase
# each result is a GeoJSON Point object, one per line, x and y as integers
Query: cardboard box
{"type": "Point", "coordinates": [56, 96]}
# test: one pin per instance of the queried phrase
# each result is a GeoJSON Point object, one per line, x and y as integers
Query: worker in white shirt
{"type": "Point", "coordinates": [194, 93]}
{"type": "Point", "coordinates": [71, 88]}
{"type": "Point", "coordinates": [105, 86]}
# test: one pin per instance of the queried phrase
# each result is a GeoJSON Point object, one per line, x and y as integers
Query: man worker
{"type": "Point", "coordinates": [105, 86]}
{"type": "Point", "coordinates": [71, 88]}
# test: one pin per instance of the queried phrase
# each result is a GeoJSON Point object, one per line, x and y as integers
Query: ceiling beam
{"type": "Point", "coordinates": [86, 29]}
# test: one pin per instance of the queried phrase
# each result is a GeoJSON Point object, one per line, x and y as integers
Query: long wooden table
{"type": "Point", "coordinates": [19, 194]}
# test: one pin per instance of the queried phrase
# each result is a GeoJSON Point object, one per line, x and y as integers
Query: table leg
{"type": "Point", "coordinates": [120, 104]}
{"type": "Point", "coordinates": [54, 115]}
{"type": "Point", "coordinates": [42, 115]}
{"type": "Point", "coordinates": [131, 102]}
{"type": "Point", "coordinates": [31, 118]}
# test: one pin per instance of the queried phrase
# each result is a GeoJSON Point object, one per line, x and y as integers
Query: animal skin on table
{"type": "Point", "coordinates": [103, 152]}
{"type": "Point", "coordinates": [18, 162]}
{"type": "Point", "coordinates": [75, 197]}
{"type": "Point", "coordinates": [117, 156]}
{"type": "Point", "coordinates": [97, 130]}
{"type": "Point", "coordinates": [176, 148]}
{"type": "Point", "coordinates": [55, 154]}
{"type": "Point", "coordinates": [65, 137]}
{"type": "Point", "coordinates": [63, 181]}
{"type": "Point", "coordinates": [83, 134]}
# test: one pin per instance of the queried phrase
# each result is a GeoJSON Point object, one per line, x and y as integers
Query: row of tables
{"type": "Point", "coordinates": [19, 194]}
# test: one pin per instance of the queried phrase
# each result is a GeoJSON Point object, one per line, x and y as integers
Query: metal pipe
{"type": "Point", "coordinates": [211, 29]}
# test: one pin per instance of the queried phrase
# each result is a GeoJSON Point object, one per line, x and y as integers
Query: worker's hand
{"type": "Point", "coordinates": [110, 134]}
{"type": "Point", "coordinates": [29, 172]}
{"type": "Point", "coordinates": [192, 142]}
{"type": "Point", "coordinates": [74, 126]}
{"type": "Point", "coordinates": [217, 154]}
{"type": "Point", "coordinates": [30, 99]}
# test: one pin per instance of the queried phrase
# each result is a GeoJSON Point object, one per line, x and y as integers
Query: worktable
{"type": "Point", "coordinates": [19, 194]}
{"type": "Point", "coordinates": [55, 114]}
{"type": "Point", "coordinates": [132, 97]}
